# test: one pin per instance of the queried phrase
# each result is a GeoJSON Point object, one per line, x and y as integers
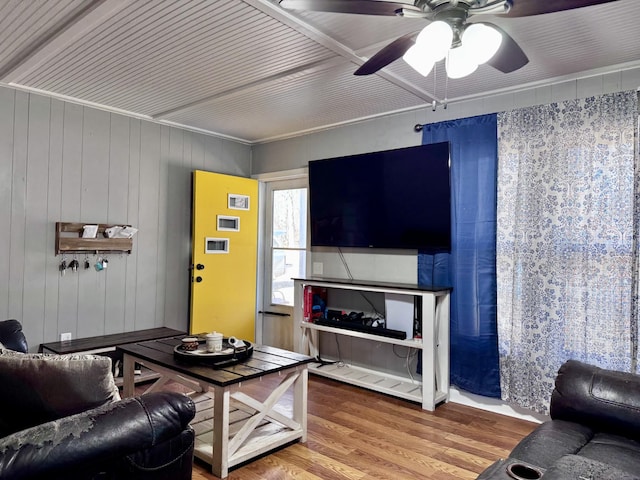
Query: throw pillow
{"type": "Point", "coordinates": [37, 388]}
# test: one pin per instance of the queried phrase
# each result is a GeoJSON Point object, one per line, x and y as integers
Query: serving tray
{"type": "Point", "coordinates": [229, 355]}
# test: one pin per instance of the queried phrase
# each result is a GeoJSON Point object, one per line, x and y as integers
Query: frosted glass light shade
{"type": "Point", "coordinates": [482, 41]}
{"type": "Point", "coordinates": [437, 37]}
{"type": "Point", "coordinates": [418, 57]}
{"type": "Point", "coordinates": [460, 62]}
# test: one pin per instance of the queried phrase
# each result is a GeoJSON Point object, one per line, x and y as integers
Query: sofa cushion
{"type": "Point", "coordinates": [550, 441]}
{"type": "Point", "coordinates": [618, 451]}
{"type": "Point", "coordinates": [37, 388]}
{"type": "Point", "coordinates": [572, 467]}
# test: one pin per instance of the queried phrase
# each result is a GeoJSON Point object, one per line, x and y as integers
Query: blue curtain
{"type": "Point", "coordinates": [470, 268]}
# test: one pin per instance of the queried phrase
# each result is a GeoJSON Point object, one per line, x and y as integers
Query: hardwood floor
{"type": "Point", "coordinates": [358, 434]}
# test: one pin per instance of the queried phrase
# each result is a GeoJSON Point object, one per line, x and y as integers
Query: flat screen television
{"type": "Point", "coordinates": [397, 199]}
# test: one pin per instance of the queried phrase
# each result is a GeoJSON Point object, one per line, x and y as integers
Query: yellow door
{"type": "Point", "coordinates": [224, 255]}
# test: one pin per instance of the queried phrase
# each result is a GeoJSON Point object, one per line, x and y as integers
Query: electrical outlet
{"type": "Point", "coordinates": [65, 337]}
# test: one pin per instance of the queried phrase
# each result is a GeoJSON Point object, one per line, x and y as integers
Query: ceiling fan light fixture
{"type": "Point", "coordinates": [482, 41]}
{"type": "Point", "coordinates": [437, 37]}
{"type": "Point", "coordinates": [460, 62]}
{"type": "Point", "coordinates": [420, 59]}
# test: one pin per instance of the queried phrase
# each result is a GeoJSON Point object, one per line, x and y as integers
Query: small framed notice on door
{"type": "Point", "coordinates": [238, 202]}
{"type": "Point", "coordinates": [216, 245]}
{"type": "Point", "coordinates": [227, 223]}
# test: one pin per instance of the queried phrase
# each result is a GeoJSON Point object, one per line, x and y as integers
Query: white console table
{"type": "Point", "coordinates": [433, 346]}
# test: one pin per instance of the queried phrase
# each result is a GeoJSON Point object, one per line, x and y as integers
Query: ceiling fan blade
{"type": "Point", "coordinates": [509, 56]}
{"type": "Point", "coordinates": [388, 54]}
{"type": "Point", "coordinates": [526, 8]}
{"type": "Point", "coordinates": [362, 7]}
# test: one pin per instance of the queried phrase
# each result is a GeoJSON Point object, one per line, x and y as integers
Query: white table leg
{"type": "Point", "coordinates": [300, 401]}
{"type": "Point", "coordinates": [128, 376]}
{"type": "Point", "coordinates": [221, 402]}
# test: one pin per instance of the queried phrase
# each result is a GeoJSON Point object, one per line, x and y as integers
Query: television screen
{"type": "Point", "coordinates": [391, 199]}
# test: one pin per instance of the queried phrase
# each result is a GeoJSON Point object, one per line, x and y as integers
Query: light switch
{"type": "Point", "coordinates": [317, 268]}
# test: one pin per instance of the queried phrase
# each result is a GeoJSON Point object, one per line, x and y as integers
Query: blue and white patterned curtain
{"type": "Point", "coordinates": [566, 242]}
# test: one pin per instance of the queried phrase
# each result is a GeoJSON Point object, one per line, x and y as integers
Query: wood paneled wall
{"type": "Point", "coordinates": [64, 162]}
{"type": "Point", "coordinates": [396, 131]}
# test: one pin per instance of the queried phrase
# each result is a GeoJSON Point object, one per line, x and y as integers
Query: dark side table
{"type": "Point", "coordinates": [106, 345]}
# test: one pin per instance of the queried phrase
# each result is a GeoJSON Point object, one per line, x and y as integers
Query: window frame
{"type": "Point", "coordinates": [299, 182]}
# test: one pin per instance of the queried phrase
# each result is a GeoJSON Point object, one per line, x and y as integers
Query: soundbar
{"type": "Point", "coordinates": [358, 327]}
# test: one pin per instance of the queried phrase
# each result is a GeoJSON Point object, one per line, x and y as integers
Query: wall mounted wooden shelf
{"type": "Point", "coordinates": [69, 240]}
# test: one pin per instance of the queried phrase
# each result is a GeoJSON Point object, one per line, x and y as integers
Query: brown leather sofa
{"type": "Point", "coordinates": [594, 431]}
{"type": "Point", "coordinates": [146, 437]}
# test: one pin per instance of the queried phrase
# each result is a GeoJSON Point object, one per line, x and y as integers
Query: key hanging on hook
{"type": "Point", "coordinates": [99, 265]}
{"type": "Point", "coordinates": [63, 266]}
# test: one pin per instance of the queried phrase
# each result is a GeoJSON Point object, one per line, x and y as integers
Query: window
{"type": "Point", "coordinates": [288, 242]}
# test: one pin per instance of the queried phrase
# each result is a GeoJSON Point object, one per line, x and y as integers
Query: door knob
{"type": "Point", "coordinates": [199, 266]}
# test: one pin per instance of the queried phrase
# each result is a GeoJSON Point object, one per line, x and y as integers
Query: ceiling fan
{"type": "Point", "coordinates": [449, 35]}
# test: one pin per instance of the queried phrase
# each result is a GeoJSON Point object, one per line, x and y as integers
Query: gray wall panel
{"type": "Point", "coordinates": [35, 233]}
{"type": "Point", "coordinates": [118, 195]}
{"type": "Point", "coordinates": [70, 211]}
{"type": "Point", "coordinates": [18, 201]}
{"type": "Point", "coordinates": [94, 204]}
{"type": "Point", "coordinates": [133, 202]}
{"type": "Point", "coordinates": [54, 199]}
{"type": "Point", "coordinates": [212, 153]}
{"type": "Point", "coordinates": [147, 237]}
{"type": "Point", "coordinates": [118, 185]}
{"type": "Point", "coordinates": [64, 162]}
{"type": "Point", "coordinates": [176, 218]}
{"type": "Point", "coordinates": [72, 162]}
{"type": "Point", "coordinates": [165, 177]}
{"type": "Point", "coordinates": [197, 153]}
{"type": "Point", "coordinates": [7, 100]}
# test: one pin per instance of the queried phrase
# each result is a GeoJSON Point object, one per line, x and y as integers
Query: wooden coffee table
{"type": "Point", "coordinates": [243, 426]}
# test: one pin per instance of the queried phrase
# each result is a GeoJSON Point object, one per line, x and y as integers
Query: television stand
{"type": "Point", "coordinates": [433, 345]}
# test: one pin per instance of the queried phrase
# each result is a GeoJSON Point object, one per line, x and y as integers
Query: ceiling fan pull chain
{"type": "Point", "coordinates": [446, 91]}
{"type": "Point", "coordinates": [435, 85]}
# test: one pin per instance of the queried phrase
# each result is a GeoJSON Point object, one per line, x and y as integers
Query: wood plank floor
{"type": "Point", "coordinates": [356, 434]}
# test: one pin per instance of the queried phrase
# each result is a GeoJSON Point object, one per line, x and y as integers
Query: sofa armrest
{"type": "Point", "coordinates": [96, 437]}
{"type": "Point", "coordinates": [605, 400]}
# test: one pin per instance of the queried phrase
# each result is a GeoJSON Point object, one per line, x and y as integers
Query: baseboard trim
{"type": "Point", "coordinates": [494, 405]}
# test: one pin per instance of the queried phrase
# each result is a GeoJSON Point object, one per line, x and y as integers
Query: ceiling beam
{"type": "Point", "coordinates": [298, 24]}
{"type": "Point", "coordinates": [59, 37]}
{"type": "Point", "coordinates": [316, 66]}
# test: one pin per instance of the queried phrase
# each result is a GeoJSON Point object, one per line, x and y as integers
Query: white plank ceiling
{"type": "Point", "coordinates": [252, 71]}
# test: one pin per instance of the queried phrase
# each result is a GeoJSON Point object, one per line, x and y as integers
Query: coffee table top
{"type": "Point", "coordinates": [265, 360]}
